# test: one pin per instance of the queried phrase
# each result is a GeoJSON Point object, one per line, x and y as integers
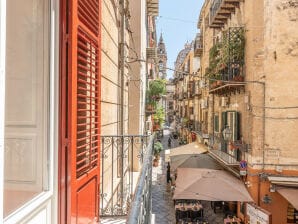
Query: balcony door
{"type": "Point", "coordinates": [79, 111]}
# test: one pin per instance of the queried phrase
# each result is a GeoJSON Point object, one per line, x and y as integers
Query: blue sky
{"type": "Point", "coordinates": [178, 22]}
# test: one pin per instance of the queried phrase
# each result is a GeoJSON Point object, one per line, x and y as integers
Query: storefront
{"type": "Point", "coordinates": [257, 215]}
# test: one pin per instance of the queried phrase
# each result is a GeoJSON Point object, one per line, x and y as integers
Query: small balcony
{"type": "Point", "coordinates": [151, 52]}
{"type": "Point", "coordinates": [191, 89]}
{"type": "Point", "coordinates": [153, 7]}
{"type": "Point", "coordinates": [123, 160]}
{"type": "Point", "coordinates": [150, 109]}
{"type": "Point", "coordinates": [227, 75]}
{"type": "Point", "coordinates": [197, 91]}
{"type": "Point", "coordinates": [221, 10]}
{"type": "Point", "coordinates": [198, 45]}
{"type": "Point", "coordinates": [180, 96]}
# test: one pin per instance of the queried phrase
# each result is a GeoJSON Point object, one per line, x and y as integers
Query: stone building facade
{"type": "Point", "coordinates": [251, 96]}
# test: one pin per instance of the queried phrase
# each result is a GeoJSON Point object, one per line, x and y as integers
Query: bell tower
{"type": "Point", "coordinates": [162, 58]}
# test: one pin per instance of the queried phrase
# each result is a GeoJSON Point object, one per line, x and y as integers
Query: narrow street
{"type": "Point", "coordinates": [162, 204]}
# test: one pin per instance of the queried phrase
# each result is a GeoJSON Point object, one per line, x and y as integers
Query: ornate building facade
{"type": "Point", "coordinates": [162, 58]}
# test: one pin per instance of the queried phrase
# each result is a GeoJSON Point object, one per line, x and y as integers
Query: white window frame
{"type": "Point", "coordinates": [2, 96]}
{"type": "Point", "coordinates": [32, 207]}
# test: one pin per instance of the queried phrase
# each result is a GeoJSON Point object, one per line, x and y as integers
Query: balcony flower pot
{"type": "Point", "coordinates": [238, 78]}
{"type": "Point", "coordinates": [155, 162]}
{"type": "Point", "coordinates": [219, 83]}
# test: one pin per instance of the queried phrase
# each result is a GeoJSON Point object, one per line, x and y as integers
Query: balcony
{"type": "Point", "coordinates": [151, 52]}
{"type": "Point", "coordinates": [224, 157]}
{"type": "Point", "coordinates": [227, 75]}
{"type": "Point", "coordinates": [191, 89]}
{"type": "Point", "coordinates": [140, 211]}
{"type": "Point", "coordinates": [152, 7]}
{"type": "Point", "coordinates": [181, 96]}
{"type": "Point", "coordinates": [221, 10]}
{"type": "Point", "coordinates": [122, 159]}
{"type": "Point", "coordinates": [150, 109]}
{"type": "Point", "coordinates": [198, 45]}
{"type": "Point", "coordinates": [197, 91]}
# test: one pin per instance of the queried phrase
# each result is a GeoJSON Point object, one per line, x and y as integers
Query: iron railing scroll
{"type": "Point", "coordinates": [140, 212]}
{"type": "Point", "coordinates": [122, 157]}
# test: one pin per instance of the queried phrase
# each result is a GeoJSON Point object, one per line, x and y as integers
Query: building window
{"type": "Point", "coordinates": [26, 102]}
{"type": "Point", "coordinates": [292, 215]}
{"type": "Point", "coordinates": [216, 123]}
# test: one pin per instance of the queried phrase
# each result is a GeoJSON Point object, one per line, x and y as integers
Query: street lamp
{"type": "Point", "coordinates": [227, 133]}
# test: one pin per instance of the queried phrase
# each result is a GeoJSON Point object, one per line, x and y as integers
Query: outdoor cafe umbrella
{"type": "Point", "coordinates": [194, 161]}
{"type": "Point", "coordinates": [191, 148]}
{"type": "Point", "coordinates": [209, 185]}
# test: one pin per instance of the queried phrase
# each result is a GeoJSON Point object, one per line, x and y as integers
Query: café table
{"type": "Point", "coordinates": [232, 221]}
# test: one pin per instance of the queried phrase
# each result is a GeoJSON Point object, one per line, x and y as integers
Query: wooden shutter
{"type": "Point", "coordinates": [87, 103]}
{"type": "Point", "coordinates": [223, 120]}
{"type": "Point", "coordinates": [80, 111]}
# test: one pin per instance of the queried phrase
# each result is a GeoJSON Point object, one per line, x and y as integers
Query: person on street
{"type": "Point", "coordinates": [169, 142]}
{"type": "Point", "coordinates": [169, 173]}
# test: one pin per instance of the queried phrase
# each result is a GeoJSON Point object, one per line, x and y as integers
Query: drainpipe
{"type": "Point", "coordinates": [264, 137]}
{"type": "Point", "coordinates": [122, 74]}
{"type": "Point", "coordinates": [122, 63]}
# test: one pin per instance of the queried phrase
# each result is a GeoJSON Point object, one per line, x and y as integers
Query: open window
{"type": "Point", "coordinates": [27, 104]}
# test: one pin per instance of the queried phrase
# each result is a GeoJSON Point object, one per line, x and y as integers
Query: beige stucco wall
{"type": "Point", "coordinates": [137, 83]}
{"type": "Point", "coordinates": [110, 77]}
{"type": "Point", "coordinates": [270, 57]}
{"type": "Point", "coordinates": [281, 77]}
{"type": "Point", "coordinates": [111, 95]}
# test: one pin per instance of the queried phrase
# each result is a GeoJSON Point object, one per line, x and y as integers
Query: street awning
{"type": "Point", "coordinates": [194, 161]}
{"type": "Point", "coordinates": [191, 148]}
{"type": "Point", "coordinates": [291, 194]}
{"type": "Point", "coordinates": [210, 185]}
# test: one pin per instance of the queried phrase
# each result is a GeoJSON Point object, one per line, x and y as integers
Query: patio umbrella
{"type": "Point", "coordinates": [194, 161]}
{"type": "Point", "coordinates": [191, 148]}
{"type": "Point", "coordinates": [209, 185]}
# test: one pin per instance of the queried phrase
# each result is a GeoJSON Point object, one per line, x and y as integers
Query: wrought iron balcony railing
{"type": "Point", "coordinates": [220, 11]}
{"type": "Point", "coordinates": [140, 211]}
{"type": "Point", "coordinates": [198, 45]}
{"type": "Point", "coordinates": [121, 159]}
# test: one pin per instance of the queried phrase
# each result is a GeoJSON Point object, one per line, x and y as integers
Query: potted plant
{"type": "Point", "coordinates": [157, 148]}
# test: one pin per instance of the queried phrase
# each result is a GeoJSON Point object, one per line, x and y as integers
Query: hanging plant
{"type": "Point", "coordinates": [226, 55]}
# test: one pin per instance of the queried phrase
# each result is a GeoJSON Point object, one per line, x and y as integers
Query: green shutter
{"type": "Point", "coordinates": [238, 121]}
{"type": "Point", "coordinates": [216, 123]}
{"type": "Point", "coordinates": [223, 120]}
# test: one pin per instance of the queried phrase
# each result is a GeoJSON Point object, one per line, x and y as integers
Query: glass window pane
{"type": "Point", "coordinates": [27, 102]}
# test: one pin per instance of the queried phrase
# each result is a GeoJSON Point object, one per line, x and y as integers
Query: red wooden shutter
{"type": "Point", "coordinates": [87, 104]}
{"type": "Point", "coordinates": [80, 90]}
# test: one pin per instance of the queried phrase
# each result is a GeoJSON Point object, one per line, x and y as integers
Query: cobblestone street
{"type": "Point", "coordinates": [162, 204]}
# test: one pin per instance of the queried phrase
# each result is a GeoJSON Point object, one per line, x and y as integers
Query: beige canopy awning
{"type": "Point", "coordinates": [194, 161]}
{"type": "Point", "coordinates": [209, 185]}
{"type": "Point", "coordinates": [291, 194]}
{"type": "Point", "coordinates": [191, 148]}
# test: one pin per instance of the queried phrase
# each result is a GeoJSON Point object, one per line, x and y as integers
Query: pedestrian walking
{"type": "Point", "coordinates": [169, 173]}
{"type": "Point", "coordinates": [169, 142]}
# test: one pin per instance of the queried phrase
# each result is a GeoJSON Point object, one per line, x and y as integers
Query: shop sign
{"type": "Point", "coordinates": [243, 168]}
{"type": "Point", "coordinates": [256, 215]}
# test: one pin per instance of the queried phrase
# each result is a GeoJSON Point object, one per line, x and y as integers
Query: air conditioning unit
{"type": "Point", "coordinates": [204, 103]}
{"type": "Point", "coordinates": [224, 101]}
